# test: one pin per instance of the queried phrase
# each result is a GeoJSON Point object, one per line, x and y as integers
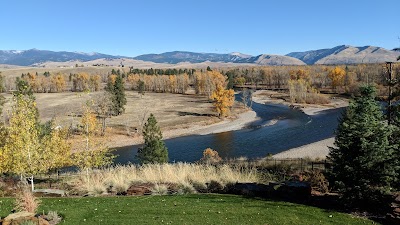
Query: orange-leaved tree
{"type": "Point", "coordinates": [223, 100]}
{"type": "Point", "coordinates": [337, 75]}
{"type": "Point", "coordinates": [210, 156]}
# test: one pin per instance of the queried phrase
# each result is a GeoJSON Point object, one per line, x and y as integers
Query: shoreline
{"type": "Point", "coordinates": [264, 96]}
{"type": "Point", "coordinates": [191, 129]}
{"type": "Point", "coordinates": [315, 150]}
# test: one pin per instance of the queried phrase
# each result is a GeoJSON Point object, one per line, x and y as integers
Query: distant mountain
{"type": "Point", "coordinates": [236, 57]}
{"type": "Point", "coordinates": [191, 57]}
{"type": "Point", "coordinates": [34, 56]}
{"type": "Point", "coordinates": [345, 54]}
{"type": "Point", "coordinates": [273, 60]}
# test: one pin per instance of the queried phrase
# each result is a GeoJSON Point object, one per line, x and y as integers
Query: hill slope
{"type": "Point", "coordinates": [33, 56]}
{"type": "Point", "coordinates": [345, 54]}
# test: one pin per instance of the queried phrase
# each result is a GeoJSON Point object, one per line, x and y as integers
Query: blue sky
{"type": "Point", "coordinates": [131, 28]}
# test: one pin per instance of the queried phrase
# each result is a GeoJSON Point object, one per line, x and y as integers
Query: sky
{"type": "Point", "coordinates": [131, 28]}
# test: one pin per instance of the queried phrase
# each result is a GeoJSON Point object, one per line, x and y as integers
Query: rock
{"type": "Point", "coordinates": [294, 190]}
{"type": "Point", "coordinates": [249, 189]}
{"type": "Point", "coordinates": [214, 187]}
{"type": "Point", "coordinates": [140, 189]}
{"type": "Point", "coordinates": [19, 217]}
{"type": "Point", "coordinates": [49, 193]}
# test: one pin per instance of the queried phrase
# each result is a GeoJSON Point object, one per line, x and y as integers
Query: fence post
{"type": "Point", "coordinates": [312, 165]}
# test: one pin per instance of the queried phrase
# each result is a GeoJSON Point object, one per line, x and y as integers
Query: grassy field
{"type": "Point", "coordinates": [185, 209]}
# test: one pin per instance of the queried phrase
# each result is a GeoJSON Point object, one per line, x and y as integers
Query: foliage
{"type": "Point", "coordinates": [2, 82]}
{"type": "Point", "coordinates": [337, 76]}
{"type": "Point", "coordinates": [115, 86]}
{"type": "Point", "coordinates": [141, 87]}
{"type": "Point", "coordinates": [223, 100]}
{"type": "Point", "coordinates": [210, 156]}
{"type": "Point", "coordinates": [53, 217]}
{"type": "Point", "coordinates": [94, 154]}
{"type": "Point", "coordinates": [154, 149]}
{"type": "Point", "coordinates": [363, 160]}
{"type": "Point", "coordinates": [24, 151]}
{"type": "Point", "coordinates": [300, 91]}
{"type": "Point", "coordinates": [26, 201]}
{"type": "Point", "coordinates": [317, 180]}
{"type": "Point", "coordinates": [23, 87]}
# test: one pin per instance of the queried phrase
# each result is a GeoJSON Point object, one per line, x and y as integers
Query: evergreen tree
{"type": "Point", "coordinates": [154, 149]}
{"type": "Point", "coordinates": [363, 166]}
{"type": "Point", "coordinates": [141, 87]}
{"type": "Point", "coordinates": [117, 93]}
{"type": "Point", "coordinates": [2, 81]}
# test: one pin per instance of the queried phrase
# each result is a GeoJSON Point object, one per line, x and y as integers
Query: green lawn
{"type": "Point", "coordinates": [185, 209]}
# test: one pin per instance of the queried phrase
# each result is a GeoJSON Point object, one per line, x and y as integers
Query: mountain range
{"type": "Point", "coordinates": [343, 54]}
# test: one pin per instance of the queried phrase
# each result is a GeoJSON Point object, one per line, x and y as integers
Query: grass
{"type": "Point", "coordinates": [185, 209]}
{"type": "Point", "coordinates": [182, 174]}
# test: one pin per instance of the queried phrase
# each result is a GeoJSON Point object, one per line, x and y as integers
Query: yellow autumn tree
{"type": "Point", "coordinates": [223, 100]}
{"type": "Point", "coordinates": [24, 152]}
{"type": "Point", "coordinates": [337, 76]}
{"type": "Point", "coordinates": [94, 152]}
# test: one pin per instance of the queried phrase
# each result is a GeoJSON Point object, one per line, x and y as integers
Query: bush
{"type": "Point", "coordinates": [26, 201]}
{"type": "Point", "coordinates": [317, 180]}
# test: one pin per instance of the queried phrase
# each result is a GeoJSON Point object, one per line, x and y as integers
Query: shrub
{"type": "Point", "coordinates": [210, 156]}
{"type": "Point", "coordinates": [317, 180]}
{"type": "Point", "coordinates": [26, 201]}
{"type": "Point", "coordinates": [53, 217]}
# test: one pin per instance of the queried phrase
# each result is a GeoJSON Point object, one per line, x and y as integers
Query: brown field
{"type": "Point", "coordinates": [177, 114]}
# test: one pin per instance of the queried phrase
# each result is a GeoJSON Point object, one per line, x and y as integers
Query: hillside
{"type": "Point", "coordinates": [33, 56]}
{"type": "Point", "coordinates": [345, 54]}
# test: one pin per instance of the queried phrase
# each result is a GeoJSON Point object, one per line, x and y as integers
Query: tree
{"type": "Point", "coordinates": [247, 98]}
{"type": "Point", "coordinates": [24, 151]}
{"type": "Point", "coordinates": [2, 82]}
{"type": "Point", "coordinates": [141, 88]}
{"type": "Point", "coordinates": [115, 87]}
{"type": "Point", "coordinates": [94, 153]}
{"type": "Point", "coordinates": [210, 156]}
{"type": "Point", "coordinates": [337, 76]}
{"type": "Point", "coordinates": [154, 149]}
{"type": "Point", "coordinates": [363, 163]}
{"type": "Point", "coordinates": [223, 100]}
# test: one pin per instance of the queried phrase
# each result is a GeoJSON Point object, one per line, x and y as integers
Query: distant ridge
{"type": "Point", "coordinates": [34, 56]}
{"type": "Point", "coordinates": [345, 54]}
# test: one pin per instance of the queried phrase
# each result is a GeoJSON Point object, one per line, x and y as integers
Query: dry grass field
{"type": "Point", "coordinates": [177, 114]}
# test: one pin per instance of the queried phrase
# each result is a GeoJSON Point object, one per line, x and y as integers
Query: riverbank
{"type": "Point", "coordinates": [237, 122]}
{"type": "Point", "coordinates": [266, 96]}
{"type": "Point", "coordinates": [316, 150]}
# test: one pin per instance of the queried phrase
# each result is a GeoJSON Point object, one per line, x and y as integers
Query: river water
{"type": "Point", "coordinates": [293, 129]}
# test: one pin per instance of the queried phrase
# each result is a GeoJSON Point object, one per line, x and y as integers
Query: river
{"type": "Point", "coordinates": [293, 129]}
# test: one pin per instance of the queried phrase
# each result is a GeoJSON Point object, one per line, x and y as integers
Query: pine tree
{"type": "Point", "coordinates": [154, 149]}
{"type": "Point", "coordinates": [363, 159]}
{"type": "Point", "coordinates": [117, 92]}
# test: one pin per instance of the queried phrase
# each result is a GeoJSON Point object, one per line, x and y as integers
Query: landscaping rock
{"type": "Point", "coordinates": [20, 217]}
{"type": "Point", "coordinates": [214, 187]}
{"type": "Point", "coordinates": [140, 189]}
{"type": "Point", "coordinates": [49, 193]}
{"type": "Point", "coordinates": [248, 189]}
{"type": "Point", "coordinates": [294, 190]}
